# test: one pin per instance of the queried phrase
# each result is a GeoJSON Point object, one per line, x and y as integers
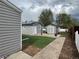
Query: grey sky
{"type": "Point", "coordinates": [32, 8]}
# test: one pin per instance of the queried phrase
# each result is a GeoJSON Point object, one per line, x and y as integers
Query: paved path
{"type": "Point", "coordinates": [20, 55]}
{"type": "Point", "coordinates": [52, 51]}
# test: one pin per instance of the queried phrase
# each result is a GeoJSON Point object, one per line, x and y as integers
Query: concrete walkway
{"type": "Point", "coordinates": [52, 51]}
{"type": "Point", "coordinates": [20, 55]}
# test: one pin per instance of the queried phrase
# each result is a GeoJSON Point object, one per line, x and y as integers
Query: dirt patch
{"type": "Point", "coordinates": [69, 50]}
{"type": "Point", "coordinates": [31, 50]}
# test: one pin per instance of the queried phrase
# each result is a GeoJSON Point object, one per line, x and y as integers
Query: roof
{"type": "Point", "coordinates": [31, 24]}
{"type": "Point", "coordinates": [51, 25]}
{"type": "Point", "coordinates": [27, 25]}
{"type": "Point", "coordinates": [11, 5]}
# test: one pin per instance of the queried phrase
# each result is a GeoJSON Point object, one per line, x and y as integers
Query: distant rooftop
{"type": "Point", "coordinates": [31, 24]}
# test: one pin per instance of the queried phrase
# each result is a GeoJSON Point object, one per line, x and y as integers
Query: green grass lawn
{"type": "Point", "coordinates": [38, 41]}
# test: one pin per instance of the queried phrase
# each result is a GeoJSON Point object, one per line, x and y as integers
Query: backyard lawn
{"type": "Point", "coordinates": [37, 41]}
{"type": "Point", "coordinates": [33, 44]}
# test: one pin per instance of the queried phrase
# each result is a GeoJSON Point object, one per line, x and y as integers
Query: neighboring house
{"type": "Point", "coordinates": [51, 29]}
{"type": "Point", "coordinates": [10, 28]}
{"type": "Point", "coordinates": [33, 28]}
{"type": "Point", "coordinates": [62, 29]}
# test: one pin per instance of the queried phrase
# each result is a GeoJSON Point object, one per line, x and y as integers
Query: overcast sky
{"type": "Point", "coordinates": [32, 8]}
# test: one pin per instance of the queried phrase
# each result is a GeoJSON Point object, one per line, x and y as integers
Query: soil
{"type": "Point", "coordinates": [31, 50]}
{"type": "Point", "coordinates": [69, 50]}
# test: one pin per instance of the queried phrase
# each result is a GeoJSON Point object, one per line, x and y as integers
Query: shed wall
{"type": "Point", "coordinates": [10, 30]}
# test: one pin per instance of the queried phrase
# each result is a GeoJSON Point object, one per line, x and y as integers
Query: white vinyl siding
{"type": "Point", "coordinates": [29, 30]}
{"type": "Point", "coordinates": [51, 29]}
{"type": "Point", "coordinates": [10, 30]}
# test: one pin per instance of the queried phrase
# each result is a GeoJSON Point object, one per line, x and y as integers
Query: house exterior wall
{"type": "Point", "coordinates": [39, 29]}
{"type": "Point", "coordinates": [51, 29]}
{"type": "Point", "coordinates": [29, 30]}
{"type": "Point", "coordinates": [10, 30]}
